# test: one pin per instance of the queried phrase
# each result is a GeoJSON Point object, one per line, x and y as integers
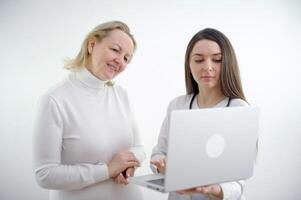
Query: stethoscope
{"type": "Point", "coordinates": [194, 95]}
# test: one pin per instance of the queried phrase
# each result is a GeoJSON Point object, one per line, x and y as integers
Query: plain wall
{"type": "Point", "coordinates": [37, 35]}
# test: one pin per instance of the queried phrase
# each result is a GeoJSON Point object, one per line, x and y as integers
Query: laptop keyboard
{"type": "Point", "coordinates": [157, 181]}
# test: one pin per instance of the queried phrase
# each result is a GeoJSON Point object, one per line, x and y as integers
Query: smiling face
{"type": "Point", "coordinates": [205, 64]}
{"type": "Point", "coordinates": [110, 56]}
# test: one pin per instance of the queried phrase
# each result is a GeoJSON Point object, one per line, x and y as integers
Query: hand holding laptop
{"type": "Point", "coordinates": [214, 190]}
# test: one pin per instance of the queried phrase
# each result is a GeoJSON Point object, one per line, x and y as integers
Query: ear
{"type": "Point", "coordinates": [91, 45]}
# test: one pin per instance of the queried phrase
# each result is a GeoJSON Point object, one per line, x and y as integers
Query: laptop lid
{"type": "Point", "coordinates": [207, 146]}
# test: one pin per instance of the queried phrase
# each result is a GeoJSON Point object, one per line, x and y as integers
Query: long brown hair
{"type": "Point", "coordinates": [230, 77]}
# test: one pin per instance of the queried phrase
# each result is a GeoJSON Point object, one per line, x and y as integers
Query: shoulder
{"type": "Point", "coordinates": [58, 89]}
{"type": "Point", "coordinates": [238, 102]}
{"type": "Point", "coordinates": [180, 102]}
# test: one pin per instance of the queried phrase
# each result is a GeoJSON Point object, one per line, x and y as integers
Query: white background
{"type": "Point", "coordinates": [37, 35]}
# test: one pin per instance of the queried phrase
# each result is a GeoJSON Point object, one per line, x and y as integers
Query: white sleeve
{"type": "Point", "coordinates": [233, 190]}
{"type": "Point", "coordinates": [50, 173]}
{"type": "Point", "coordinates": [160, 149]}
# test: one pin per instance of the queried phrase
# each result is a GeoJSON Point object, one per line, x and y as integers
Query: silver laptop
{"type": "Point", "coordinates": [207, 146]}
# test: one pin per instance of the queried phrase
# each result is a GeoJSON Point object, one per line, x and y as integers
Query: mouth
{"type": "Point", "coordinates": [112, 68]}
{"type": "Point", "coordinates": [207, 77]}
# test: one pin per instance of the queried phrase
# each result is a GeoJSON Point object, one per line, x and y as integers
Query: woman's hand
{"type": "Point", "coordinates": [159, 164]}
{"type": "Point", "coordinates": [122, 177]}
{"type": "Point", "coordinates": [214, 190]}
{"type": "Point", "coordinates": [120, 162]}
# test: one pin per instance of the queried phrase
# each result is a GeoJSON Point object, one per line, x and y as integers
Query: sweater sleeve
{"type": "Point", "coordinates": [49, 172]}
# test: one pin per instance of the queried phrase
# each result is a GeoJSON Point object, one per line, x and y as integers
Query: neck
{"type": "Point", "coordinates": [209, 97]}
{"type": "Point", "coordinates": [90, 68]}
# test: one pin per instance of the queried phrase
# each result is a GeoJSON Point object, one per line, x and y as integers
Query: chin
{"type": "Point", "coordinates": [110, 76]}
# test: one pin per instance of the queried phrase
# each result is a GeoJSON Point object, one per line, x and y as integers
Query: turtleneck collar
{"type": "Point", "coordinates": [89, 80]}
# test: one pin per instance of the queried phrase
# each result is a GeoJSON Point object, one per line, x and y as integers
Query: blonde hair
{"type": "Point", "coordinates": [99, 32]}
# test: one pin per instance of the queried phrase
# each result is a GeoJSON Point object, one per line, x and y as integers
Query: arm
{"type": "Point", "coordinates": [50, 173]}
{"type": "Point", "coordinates": [229, 190]}
{"type": "Point", "coordinates": [160, 150]}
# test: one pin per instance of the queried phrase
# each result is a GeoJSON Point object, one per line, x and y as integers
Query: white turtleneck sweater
{"type": "Point", "coordinates": [81, 124]}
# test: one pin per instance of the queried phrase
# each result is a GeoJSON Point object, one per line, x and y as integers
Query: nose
{"type": "Point", "coordinates": [120, 61]}
{"type": "Point", "coordinates": [208, 66]}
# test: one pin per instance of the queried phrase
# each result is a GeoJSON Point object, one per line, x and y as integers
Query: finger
{"type": "Point", "coordinates": [120, 179]}
{"type": "Point", "coordinates": [155, 163]}
{"type": "Point", "coordinates": [199, 189]}
{"type": "Point", "coordinates": [125, 161]}
{"type": "Point", "coordinates": [123, 180]}
{"type": "Point", "coordinates": [207, 189]}
{"type": "Point", "coordinates": [130, 172]}
{"type": "Point", "coordinates": [128, 164]}
{"type": "Point", "coordinates": [182, 192]}
{"type": "Point", "coordinates": [215, 189]}
{"type": "Point", "coordinates": [187, 192]}
{"type": "Point", "coordinates": [162, 163]}
{"type": "Point", "coordinates": [131, 164]}
{"type": "Point", "coordinates": [159, 168]}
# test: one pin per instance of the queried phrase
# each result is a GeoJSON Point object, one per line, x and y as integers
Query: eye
{"type": "Point", "coordinates": [115, 50]}
{"type": "Point", "coordinates": [217, 60]}
{"type": "Point", "coordinates": [126, 59]}
{"type": "Point", "coordinates": [198, 60]}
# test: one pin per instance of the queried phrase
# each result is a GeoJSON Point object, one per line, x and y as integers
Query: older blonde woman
{"type": "Point", "coordinates": [86, 141]}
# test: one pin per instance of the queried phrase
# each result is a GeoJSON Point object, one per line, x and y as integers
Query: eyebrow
{"type": "Point", "coordinates": [198, 54]}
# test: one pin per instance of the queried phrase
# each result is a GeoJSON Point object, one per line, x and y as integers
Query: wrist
{"type": "Point", "coordinates": [219, 192]}
{"type": "Point", "coordinates": [111, 172]}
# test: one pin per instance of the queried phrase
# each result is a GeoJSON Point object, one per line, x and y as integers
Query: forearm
{"type": "Point", "coordinates": [70, 177]}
